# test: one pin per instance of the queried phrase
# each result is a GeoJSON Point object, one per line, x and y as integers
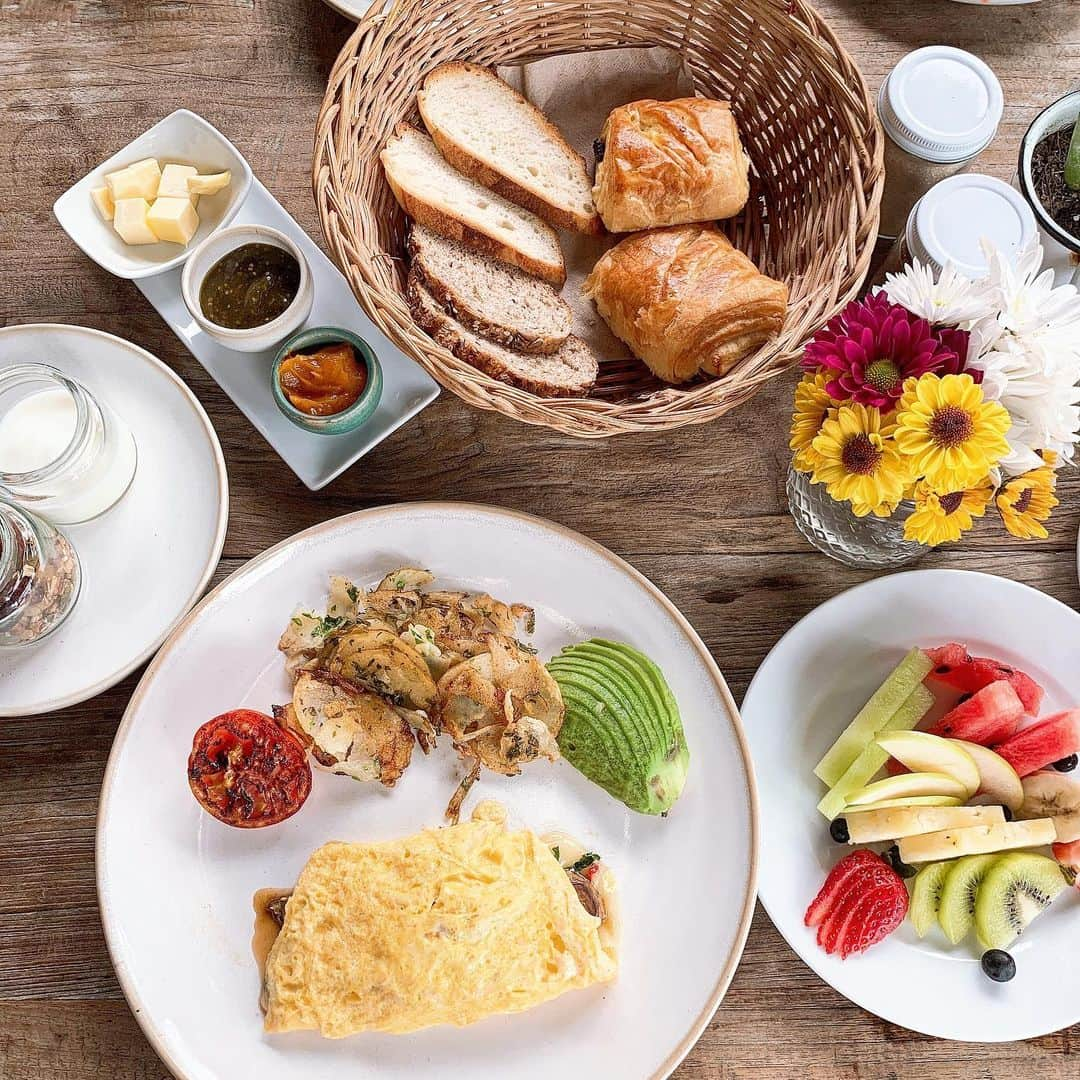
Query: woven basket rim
{"type": "Point", "coordinates": [665, 408]}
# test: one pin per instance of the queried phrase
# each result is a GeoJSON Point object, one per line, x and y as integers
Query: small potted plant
{"type": "Point", "coordinates": [932, 402]}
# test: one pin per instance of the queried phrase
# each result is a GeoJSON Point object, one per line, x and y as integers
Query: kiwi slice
{"type": "Point", "coordinates": [956, 911]}
{"type": "Point", "coordinates": [926, 896]}
{"type": "Point", "coordinates": [1016, 889]}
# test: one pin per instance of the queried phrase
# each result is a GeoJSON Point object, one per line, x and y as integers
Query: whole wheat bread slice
{"type": "Point", "coordinates": [494, 300]}
{"type": "Point", "coordinates": [488, 131]}
{"type": "Point", "coordinates": [570, 372]}
{"type": "Point", "coordinates": [435, 194]}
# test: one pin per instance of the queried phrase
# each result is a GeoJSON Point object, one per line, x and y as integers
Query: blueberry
{"type": "Point", "coordinates": [838, 830]}
{"type": "Point", "coordinates": [1066, 764]}
{"type": "Point", "coordinates": [892, 856]}
{"type": "Point", "coordinates": [998, 965]}
{"type": "Point", "coordinates": [599, 148]}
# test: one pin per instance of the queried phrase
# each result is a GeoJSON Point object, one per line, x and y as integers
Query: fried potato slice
{"type": "Point", "coordinates": [502, 707]}
{"type": "Point", "coordinates": [375, 658]}
{"type": "Point", "coordinates": [352, 731]}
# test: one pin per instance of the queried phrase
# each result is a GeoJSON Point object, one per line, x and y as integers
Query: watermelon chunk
{"type": "Point", "coordinates": [955, 667]}
{"type": "Point", "coordinates": [989, 716]}
{"type": "Point", "coordinates": [1042, 744]}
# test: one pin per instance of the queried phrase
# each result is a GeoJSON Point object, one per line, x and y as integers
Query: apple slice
{"type": "Point", "coordinates": [874, 826]}
{"type": "Point", "coordinates": [911, 800]}
{"type": "Point", "coordinates": [999, 782]}
{"type": "Point", "coordinates": [977, 840]}
{"type": "Point", "coordinates": [862, 769]}
{"type": "Point", "coordinates": [1052, 795]}
{"type": "Point", "coordinates": [922, 752]}
{"type": "Point", "coordinates": [912, 783]}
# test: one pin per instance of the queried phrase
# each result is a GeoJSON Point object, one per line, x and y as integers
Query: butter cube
{"type": "Point", "coordinates": [138, 181]}
{"type": "Point", "coordinates": [210, 184]}
{"type": "Point", "coordinates": [174, 220]}
{"type": "Point", "coordinates": [129, 220]}
{"type": "Point", "coordinates": [103, 200]}
{"type": "Point", "coordinates": [174, 183]}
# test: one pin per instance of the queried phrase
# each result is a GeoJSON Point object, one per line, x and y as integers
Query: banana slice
{"type": "Point", "coordinates": [977, 840]}
{"type": "Point", "coordinates": [1052, 795]}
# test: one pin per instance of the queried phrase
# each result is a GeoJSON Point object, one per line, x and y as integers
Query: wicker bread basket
{"type": "Point", "coordinates": [805, 115]}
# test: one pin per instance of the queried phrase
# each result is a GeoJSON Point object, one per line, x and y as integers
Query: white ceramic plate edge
{"type": "Point", "coordinates": [215, 551]}
{"type": "Point", "coordinates": [739, 943]}
{"type": "Point", "coordinates": [804, 947]}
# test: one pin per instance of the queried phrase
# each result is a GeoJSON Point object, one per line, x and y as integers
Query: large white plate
{"type": "Point", "coordinates": [175, 886]}
{"type": "Point", "coordinates": [148, 559]}
{"type": "Point", "coordinates": [808, 688]}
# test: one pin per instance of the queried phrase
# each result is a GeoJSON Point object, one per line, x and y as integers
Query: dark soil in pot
{"type": "Point", "coordinates": [1048, 176]}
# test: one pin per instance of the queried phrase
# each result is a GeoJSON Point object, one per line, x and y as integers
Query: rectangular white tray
{"type": "Point", "coordinates": [245, 377]}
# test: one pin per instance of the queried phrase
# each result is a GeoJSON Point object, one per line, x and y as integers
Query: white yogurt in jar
{"type": "Point", "coordinates": [63, 453]}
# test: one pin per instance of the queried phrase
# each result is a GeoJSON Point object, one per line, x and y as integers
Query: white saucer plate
{"type": "Point", "coordinates": [811, 684]}
{"type": "Point", "coordinates": [149, 558]}
{"type": "Point", "coordinates": [176, 886]}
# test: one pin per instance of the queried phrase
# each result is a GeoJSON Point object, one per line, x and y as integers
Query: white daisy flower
{"type": "Point", "coordinates": [951, 300]}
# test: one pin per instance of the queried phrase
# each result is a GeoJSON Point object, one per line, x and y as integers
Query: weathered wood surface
{"type": "Point", "coordinates": [700, 511]}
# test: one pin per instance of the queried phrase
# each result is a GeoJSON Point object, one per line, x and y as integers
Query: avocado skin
{"type": "Point", "coordinates": [622, 728]}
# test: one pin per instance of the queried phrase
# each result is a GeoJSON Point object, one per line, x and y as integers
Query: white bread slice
{"type": "Point", "coordinates": [570, 372]}
{"type": "Point", "coordinates": [497, 301]}
{"type": "Point", "coordinates": [435, 194]}
{"type": "Point", "coordinates": [488, 131]}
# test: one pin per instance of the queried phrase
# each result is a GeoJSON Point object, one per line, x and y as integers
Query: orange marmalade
{"type": "Point", "coordinates": [323, 382]}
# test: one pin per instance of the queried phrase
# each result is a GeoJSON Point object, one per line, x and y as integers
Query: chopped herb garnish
{"type": "Point", "coordinates": [352, 592]}
{"type": "Point", "coordinates": [327, 625]}
{"type": "Point", "coordinates": [297, 620]}
{"type": "Point", "coordinates": [585, 861]}
{"type": "Point", "coordinates": [399, 583]}
{"type": "Point", "coordinates": [555, 852]}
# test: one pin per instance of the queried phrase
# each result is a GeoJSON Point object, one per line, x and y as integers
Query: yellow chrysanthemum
{"type": "Point", "coordinates": [942, 519]}
{"type": "Point", "coordinates": [1026, 501]}
{"type": "Point", "coordinates": [812, 407]}
{"type": "Point", "coordinates": [951, 436]}
{"type": "Point", "coordinates": [859, 461]}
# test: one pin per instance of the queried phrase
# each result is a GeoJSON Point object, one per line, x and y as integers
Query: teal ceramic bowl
{"type": "Point", "coordinates": [359, 411]}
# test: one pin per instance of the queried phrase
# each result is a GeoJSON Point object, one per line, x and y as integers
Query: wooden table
{"type": "Point", "coordinates": [700, 511]}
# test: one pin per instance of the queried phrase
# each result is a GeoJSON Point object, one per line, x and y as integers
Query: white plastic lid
{"type": "Point", "coordinates": [949, 223]}
{"type": "Point", "coordinates": [941, 104]}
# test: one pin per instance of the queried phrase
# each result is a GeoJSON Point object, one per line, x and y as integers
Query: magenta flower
{"type": "Point", "coordinates": [872, 346]}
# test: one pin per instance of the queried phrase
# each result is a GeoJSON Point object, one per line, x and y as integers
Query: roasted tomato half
{"type": "Point", "coordinates": [247, 771]}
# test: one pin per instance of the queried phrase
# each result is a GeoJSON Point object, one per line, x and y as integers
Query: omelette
{"type": "Point", "coordinates": [448, 926]}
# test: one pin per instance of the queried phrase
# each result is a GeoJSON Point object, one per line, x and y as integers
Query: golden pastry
{"type": "Point", "coordinates": [685, 300]}
{"type": "Point", "coordinates": [669, 163]}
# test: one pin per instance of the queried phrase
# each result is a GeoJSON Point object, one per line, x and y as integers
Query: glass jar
{"type": "Point", "coordinates": [63, 453]}
{"type": "Point", "coordinates": [939, 107]}
{"type": "Point", "coordinates": [865, 543]}
{"type": "Point", "coordinates": [40, 577]}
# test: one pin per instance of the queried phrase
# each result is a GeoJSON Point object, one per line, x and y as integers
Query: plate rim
{"type": "Point", "coordinates": [216, 548]}
{"type": "Point", "coordinates": [807, 955]}
{"type": "Point", "coordinates": [727, 972]}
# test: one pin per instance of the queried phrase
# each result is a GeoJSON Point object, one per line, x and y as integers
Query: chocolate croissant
{"type": "Point", "coordinates": [669, 163]}
{"type": "Point", "coordinates": [685, 300]}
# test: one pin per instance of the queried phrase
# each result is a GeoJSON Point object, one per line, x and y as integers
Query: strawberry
{"type": "Point", "coordinates": [1069, 857]}
{"type": "Point", "coordinates": [869, 879]}
{"type": "Point", "coordinates": [873, 920]}
{"type": "Point", "coordinates": [848, 868]}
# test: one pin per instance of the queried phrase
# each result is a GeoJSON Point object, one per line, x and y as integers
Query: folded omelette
{"type": "Point", "coordinates": [445, 927]}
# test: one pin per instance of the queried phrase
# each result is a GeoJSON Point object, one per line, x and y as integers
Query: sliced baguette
{"type": "Point", "coordinates": [494, 300]}
{"type": "Point", "coordinates": [570, 372]}
{"type": "Point", "coordinates": [488, 131]}
{"type": "Point", "coordinates": [435, 194]}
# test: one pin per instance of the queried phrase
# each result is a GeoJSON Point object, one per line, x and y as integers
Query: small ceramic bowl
{"type": "Point", "coordinates": [1061, 114]}
{"type": "Point", "coordinates": [359, 411]}
{"type": "Point", "coordinates": [185, 137]}
{"type": "Point", "coordinates": [255, 338]}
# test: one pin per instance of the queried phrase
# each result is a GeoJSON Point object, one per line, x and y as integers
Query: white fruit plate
{"type": "Point", "coordinates": [807, 690]}
{"type": "Point", "coordinates": [176, 886]}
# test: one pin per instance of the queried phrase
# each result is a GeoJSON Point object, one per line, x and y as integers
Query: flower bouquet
{"type": "Point", "coordinates": [937, 396]}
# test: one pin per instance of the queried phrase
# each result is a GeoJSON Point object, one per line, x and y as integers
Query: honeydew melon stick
{"type": "Point", "coordinates": [874, 715]}
{"type": "Point", "coordinates": [860, 771]}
